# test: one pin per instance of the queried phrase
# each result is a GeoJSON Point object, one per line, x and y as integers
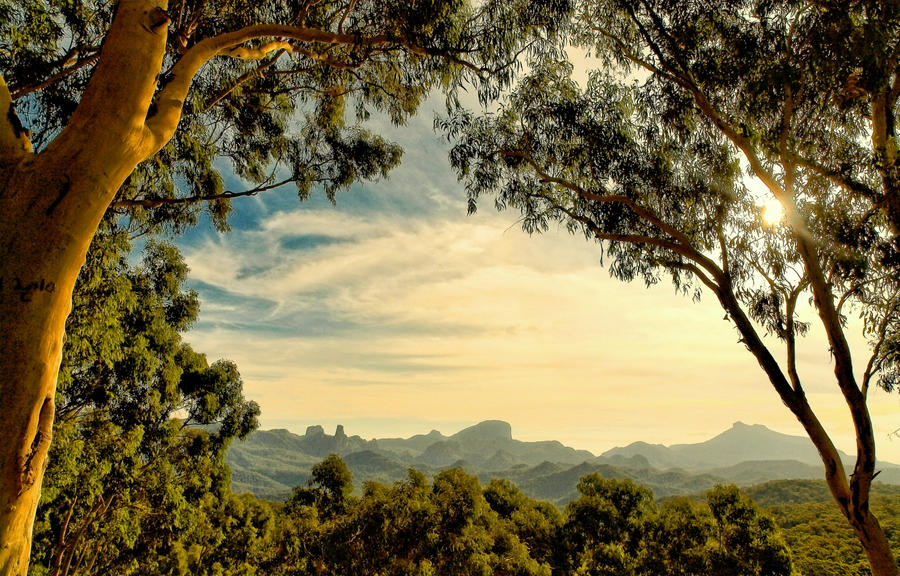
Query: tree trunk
{"type": "Point", "coordinates": [876, 545]}
{"type": "Point", "coordinates": [35, 298]}
{"type": "Point", "coordinates": [43, 247]}
{"type": "Point", "coordinates": [50, 206]}
{"type": "Point", "coordinates": [49, 212]}
{"type": "Point", "coordinates": [855, 508]}
{"type": "Point", "coordinates": [851, 495]}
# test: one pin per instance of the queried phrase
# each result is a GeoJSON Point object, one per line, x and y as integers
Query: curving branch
{"type": "Point", "coordinates": [791, 336]}
{"type": "Point", "coordinates": [157, 202]}
{"type": "Point", "coordinates": [222, 94]}
{"type": "Point", "coordinates": [875, 362]}
{"type": "Point", "coordinates": [20, 91]}
{"type": "Point", "coordinates": [170, 100]}
{"type": "Point", "coordinates": [639, 210]}
{"type": "Point", "coordinates": [836, 177]}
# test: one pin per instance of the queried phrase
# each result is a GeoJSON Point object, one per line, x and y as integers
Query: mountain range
{"type": "Point", "coordinates": [269, 463]}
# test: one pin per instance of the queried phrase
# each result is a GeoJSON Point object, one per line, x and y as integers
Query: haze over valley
{"type": "Point", "coordinates": [269, 463]}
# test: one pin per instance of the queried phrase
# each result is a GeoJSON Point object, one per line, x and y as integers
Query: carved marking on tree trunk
{"type": "Point", "coordinates": [25, 289]}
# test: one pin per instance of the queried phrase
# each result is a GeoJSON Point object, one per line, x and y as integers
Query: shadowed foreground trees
{"type": "Point", "coordinates": [454, 527]}
{"type": "Point", "coordinates": [127, 104]}
{"type": "Point", "coordinates": [652, 159]}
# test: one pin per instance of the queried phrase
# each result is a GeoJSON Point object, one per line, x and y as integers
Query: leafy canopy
{"type": "Point", "coordinates": [295, 114]}
{"type": "Point", "coordinates": [694, 116]}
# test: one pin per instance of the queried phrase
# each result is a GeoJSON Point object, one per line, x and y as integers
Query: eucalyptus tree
{"type": "Point", "coordinates": [142, 420]}
{"type": "Point", "coordinates": [128, 105]}
{"type": "Point", "coordinates": [605, 527]}
{"type": "Point", "coordinates": [698, 112]}
{"type": "Point", "coordinates": [409, 528]}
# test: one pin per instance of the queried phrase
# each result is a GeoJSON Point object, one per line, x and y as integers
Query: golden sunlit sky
{"type": "Point", "coordinates": [394, 313]}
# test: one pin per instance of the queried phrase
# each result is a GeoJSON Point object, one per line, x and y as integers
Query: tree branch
{"type": "Point", "coordinates": [693, 269]}
{"type": "Point", "coordinates": [170, 100]}
{"type": "Point", "coordinates": [791, 337]}
{"type": "Point", "coordinates": [873, 365]}
{"type": "Point", "coordinates": [834, 176]}
{"type": "Point", "coordinates": [641, 211]}
{"type": "Point", "coordinates": [637, 60]}
{"type": "Point", "coordinates": [346, 13]}
{"type": "Point", "coordinates": [20, 91]}
{"type": "Point", "coordinates": [157, 202]}
{"type": "Point", "coordinates": [222, 94]}
{"type": "Point", "coordinates": [114, 105]}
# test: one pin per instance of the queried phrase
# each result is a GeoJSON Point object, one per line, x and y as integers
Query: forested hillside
{"type": "Point", "coordinates": [820, 541]}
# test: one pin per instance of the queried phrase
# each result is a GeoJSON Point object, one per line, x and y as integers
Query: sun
{"type": "Point", "coordinates": [771, 210]}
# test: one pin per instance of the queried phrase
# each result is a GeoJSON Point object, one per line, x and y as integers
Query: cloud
{"type": "Point", "coordinates": [431, 312]}
{"type": "Point", "coordinates": [394, 307]}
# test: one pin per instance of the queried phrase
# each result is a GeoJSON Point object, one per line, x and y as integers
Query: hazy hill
{"type": "Point", "coordinates": [741, 443]}
{"type": "Point", "coordinates": [271, 462]}
{"type": "Point", "coordinates": [488, 444]}
{"type": "Point", "coordinates": [745, 454]}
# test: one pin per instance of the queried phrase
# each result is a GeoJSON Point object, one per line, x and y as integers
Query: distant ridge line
{"type": "Point", "coordinates": [271, 462]}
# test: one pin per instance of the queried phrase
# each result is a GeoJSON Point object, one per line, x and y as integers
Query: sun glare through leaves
{"type": "Point", "coordinates": [771, 211]}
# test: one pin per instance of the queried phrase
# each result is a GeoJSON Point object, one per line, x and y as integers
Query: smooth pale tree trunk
{"type": "Point", "coordinates": [50, 206]}
{"type": "Point", "coordinates": [48, 217]}
{"type": "Point", "coordinates": [37, 275]}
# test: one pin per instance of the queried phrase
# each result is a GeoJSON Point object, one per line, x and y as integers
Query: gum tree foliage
{"type": "Point", "coordinates": [278, 109]}
{"type": "Point", "coordinates": [138, 104]}
{"type": "Point", "coordinates": [745, 541]}
{"type": "Point", "coordinates": [143, 421]}
{"type": "Point", "coordinates": [331, 487]}
{"type": "Point", "coordinates": [233, 536]}
{"type": "Point", "coordinates": [653, 156]}
{"type": "Point", "coordinates": [604, 527]}
{"type": "Point", "coordinates": [537, 524]}
{"type": "Point", "coordinates": [453, 525]}
{"type": "Point", "coordinates": [410, 528]}
{"type": "Point", "coordinates": [615, 528]}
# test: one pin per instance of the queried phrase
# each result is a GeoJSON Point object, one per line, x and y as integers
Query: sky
{"type": "Point", "coordinates": [394, 313]}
